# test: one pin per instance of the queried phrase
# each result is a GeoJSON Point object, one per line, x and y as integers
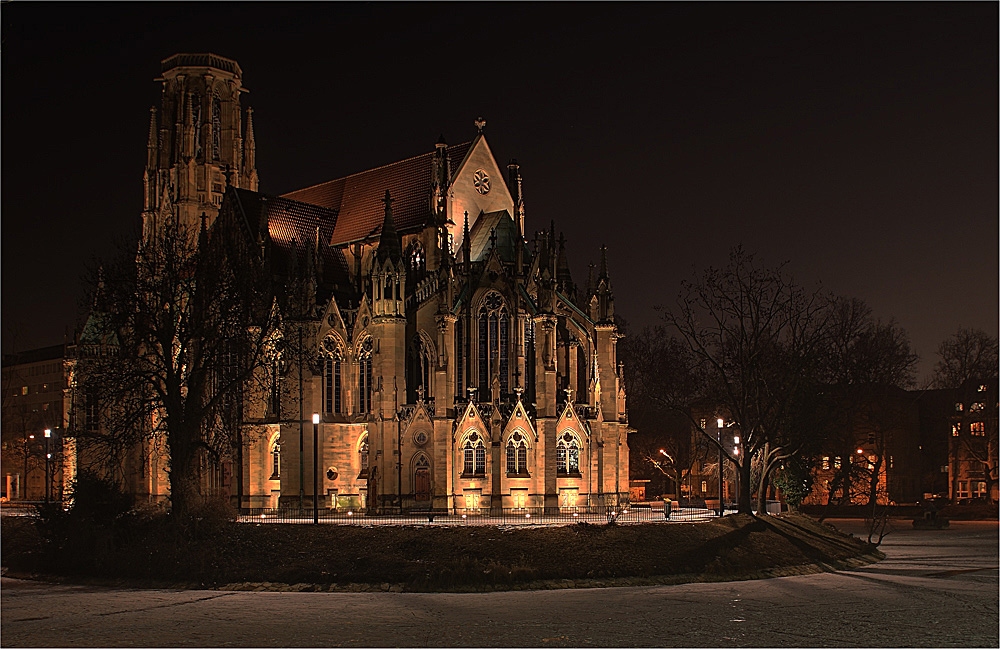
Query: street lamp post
{"type": "Point", "coordinates": [48, 456]}
{"type": "Point", "coordinates": [27, 450]}
{"type": "Point", "coordinates": [316, 468]}
{"type": "Point", "coordinates": [736, 452]}
{"type": "Point", "coordinates": [722, 507]}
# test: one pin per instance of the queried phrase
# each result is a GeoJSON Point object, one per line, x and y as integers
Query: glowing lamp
{"type": "Point", "coordinates": [736, 439]}
{"type": "Point", "coordinates": [315, 417]}
{"type": "Point", "coordinates": [350, 513]}
{"type": "Point", "coordinates": [860, 452]}
{"type": "Point", "coordinates": [48, 432]}
{"type": "Point", "coordinates": [720, 422]}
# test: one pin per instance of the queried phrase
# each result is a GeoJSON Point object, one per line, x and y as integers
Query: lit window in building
{"type": "Point", "coordinates": [977, 428]}
{"type": "Point", "coordinates": [982, 388]}
{"type": "Point", "coordinates": [826, 462]}
{"type": "Point", "coordinates": [956, 429]}
{"type": "Point", "coordinates": [976, 407]}
{"type": "Point", "coordinates": [704, 486]}
{"type": "Point", "coordinates": [703, 424]}
{"type": "Point", "coordinates": [962, 489]}
{"type": "Point", "coordinates": [417, 262]}
{"type": "Point", "coordinates": [474, 456]}
{"type": "Point", "coordinates": [567, 454]}
{"type": "Point", "coordinates": [836, 462]}
{"type": "Point", "coordinates": [958, 407]}
{"type": "Point", "coordinates": [517, 454]}
{"type": "Point", "coordinates": [980, 490]}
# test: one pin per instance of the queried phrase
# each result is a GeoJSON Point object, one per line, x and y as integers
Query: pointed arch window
{"type": "Point", "coordinates": [494, 324]}
{"type": "Point", "coordinates": [216, 128]}
{"type": "Point", "coordinates": [474, 456]}
{"type": "Point", "coordinates": [365, 376]}
{"type": "Point", "coordinates": [567, 455]}
{"type": "Point", "coordinates": [332, 360]}
{"type": "Point", "coordinates": [196, 120]}
{"type": "Point", "coordinates": [517, 455]}
{"type": "Point", "coordinates": [419, 369]}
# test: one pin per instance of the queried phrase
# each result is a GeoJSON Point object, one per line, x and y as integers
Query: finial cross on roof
{"type": "Point", "coordinates": [480, 123]}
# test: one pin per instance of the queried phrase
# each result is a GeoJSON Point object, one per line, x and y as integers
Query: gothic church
{"type": "Point", "coordinates": [451, 359]}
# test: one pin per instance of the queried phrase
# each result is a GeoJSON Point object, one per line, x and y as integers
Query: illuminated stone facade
{"type": "Point", "coordinates": [452, 360]}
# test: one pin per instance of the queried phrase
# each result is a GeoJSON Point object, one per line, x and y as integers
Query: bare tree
{"type": "Point", "coordinates": [176, 340]}
{"type": "Point", "coordinates": [867, 366]}
{"type": "Point", "coordinates": [753, 337]}
{"type": "Point", "coordinates": [968, 365]}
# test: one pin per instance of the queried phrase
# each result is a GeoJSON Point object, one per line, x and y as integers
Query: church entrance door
{"type": "Point", "coordinates": [422, 486]}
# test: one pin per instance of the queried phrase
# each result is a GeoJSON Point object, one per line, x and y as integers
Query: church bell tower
{"type": "Point", "coordinates": [197, 144]}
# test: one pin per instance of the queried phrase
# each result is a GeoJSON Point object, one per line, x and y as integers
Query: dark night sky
{"type": "Point", "coordinates": [856, 141]}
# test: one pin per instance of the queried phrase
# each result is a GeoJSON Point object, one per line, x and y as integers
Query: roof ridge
{"type": "Point", "coordinates": [364, 171]}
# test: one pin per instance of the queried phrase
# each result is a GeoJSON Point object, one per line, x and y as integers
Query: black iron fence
{"type": "Point", "coordinates": [623, 514]}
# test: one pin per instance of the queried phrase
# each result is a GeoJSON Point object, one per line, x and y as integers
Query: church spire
{"type": "Point", "coordinates": [152, 150]}
{"type": "Point", "coordinates": [250, 154]}
{"type": "Point", "coordinates": [605, 296]}
{"type": "Point", "coordinates": [389, 244]}
{"type": "Point", "coordinates": [563, 276]}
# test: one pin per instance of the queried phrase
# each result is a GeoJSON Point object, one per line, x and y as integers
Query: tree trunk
{"type": "Point", "coordinates": [745, 493]}
{"type": "Point", "coordinates": [762, 488]}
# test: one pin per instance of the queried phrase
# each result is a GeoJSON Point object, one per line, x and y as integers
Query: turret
{"type": "Point", "coordinates": [388, 271]}
{"type": "Point", "coordinates": [605, 295]}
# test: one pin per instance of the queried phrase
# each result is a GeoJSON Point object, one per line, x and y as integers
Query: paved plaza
{"type": "Point", "coordinates": [934, 589]}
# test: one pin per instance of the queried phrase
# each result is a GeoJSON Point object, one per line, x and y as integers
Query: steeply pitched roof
{"type": "Point", "coordinates": [291, 227]}
{"type": "Point", "coordinates": [358, 198]}
{"type": "Point", "coordinates": [506, 237]}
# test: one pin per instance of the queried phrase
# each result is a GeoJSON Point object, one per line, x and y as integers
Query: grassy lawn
{"type": "Point", "coordinates": [424, 558]}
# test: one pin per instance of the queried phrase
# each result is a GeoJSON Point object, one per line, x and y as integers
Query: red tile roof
{"type": "Point", "coordinates": [292, 228]}
{"type": "Point", "coordinates": [357, 198]}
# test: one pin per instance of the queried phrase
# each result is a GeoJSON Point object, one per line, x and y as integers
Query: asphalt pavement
{"type": "Point", "coordinates": [936, 588]}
